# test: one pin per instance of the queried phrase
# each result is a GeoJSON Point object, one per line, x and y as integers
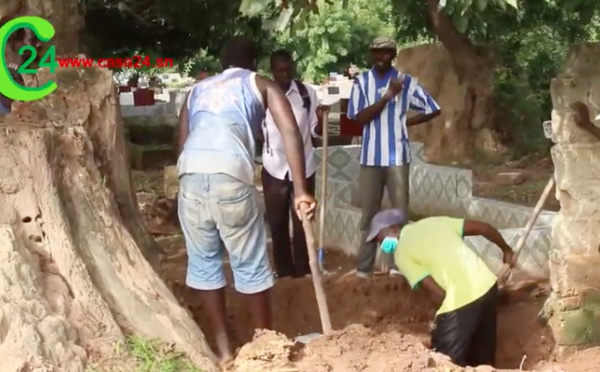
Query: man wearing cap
{"type": "Point", "coordinates": [380, 100]}
{"type": "Point", "coordinates": [432, 254]}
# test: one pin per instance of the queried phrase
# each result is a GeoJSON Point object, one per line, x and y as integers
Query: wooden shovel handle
{"type": "Point", "coordinates": [505, 270]}
{"type": "Point", "coordinates": [311, 245]}
{"type": "Point", "coordinates": [503, 274]}
{"type": "Point", "coordinates": [324, 163]}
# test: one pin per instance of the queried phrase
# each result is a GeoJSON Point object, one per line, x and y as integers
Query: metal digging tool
{"type": "Point", "coordinates": [505, 271]}
{"type": "Point", "coordinates": [311, 244]}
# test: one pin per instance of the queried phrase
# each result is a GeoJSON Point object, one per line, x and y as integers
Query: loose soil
{"type": "Point", "coordinates": [383, 308]}
{"type": "Point", "coordinates": [381, 325]}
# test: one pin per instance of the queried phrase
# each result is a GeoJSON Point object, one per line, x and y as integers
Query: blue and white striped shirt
{"type": "Point", "coordinates": [385, 138]}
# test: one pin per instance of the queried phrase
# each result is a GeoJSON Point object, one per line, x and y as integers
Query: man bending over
{"type": "Point", "coordinates": [432, 254]}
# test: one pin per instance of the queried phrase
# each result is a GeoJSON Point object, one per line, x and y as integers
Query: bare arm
{"type": "Point", "coordinates": [422, 118]}
{"type": "Point", "coordinates": [283, 116]}
{"type": "Point", "coordinates": [184, 125]}
{"type": "Point", "coordinates": [364, 115]}
{"type": "Point", "coordinates": [436, 293]}
{"type": "Point", "coordinates": [422, 102]}
{"type": "Point", "coordinates": [418, 275]}
{"type": "Point", "coordinates": [487, 231]}
{"type": "Point", "coordinates": [369, 113]}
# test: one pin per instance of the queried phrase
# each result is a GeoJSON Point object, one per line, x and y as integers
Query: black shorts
{"type": "Point", "coordinates": [468, 335]}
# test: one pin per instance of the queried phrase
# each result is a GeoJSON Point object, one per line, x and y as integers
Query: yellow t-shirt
{"type": "Point", "coordinates": [435, 247]}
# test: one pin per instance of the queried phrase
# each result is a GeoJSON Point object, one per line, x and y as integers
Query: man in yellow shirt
{"type": "Point", "coordinates": [432, 254]}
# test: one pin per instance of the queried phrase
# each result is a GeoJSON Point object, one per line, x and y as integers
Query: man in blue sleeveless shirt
{"type": "Point", "coordinates": [217, 199]}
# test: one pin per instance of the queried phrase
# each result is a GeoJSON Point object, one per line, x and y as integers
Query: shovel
{"type": "Point", "coordinates": [505, 271]}
{"type": "Point", "coordinates": [324, 163]}
{"type": "Point", "coordinates": [311, 245]}
{"type": "Point", "coordinates": [326, 103]}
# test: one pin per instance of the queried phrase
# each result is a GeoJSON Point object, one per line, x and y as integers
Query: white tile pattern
{"type": "Point", "coordinates": [434, 190]}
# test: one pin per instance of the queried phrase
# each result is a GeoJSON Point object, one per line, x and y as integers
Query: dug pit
{"type": "Point", "coordinates": [370, 317]}
{"type": "Point", "coordinates": [373, 316]}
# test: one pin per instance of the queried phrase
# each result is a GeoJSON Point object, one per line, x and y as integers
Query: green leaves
{"type": "Point", "coordinates": [462, 23]}
{"type": "Point", "coordinates": [481, 5]}
{"type": "Point", "coordinates": [460, 10]}
{"type": "Point", "coordinates": [284, 19]}
{"type": "Point", "coordinates": [253, 8]}
{"type": "Point", "coordinates": [466, 5]}
{"type": "Point", "coordinates": [173, 29]}
{"type": "Point", "coordinates": [476, 5]}
{"type": "Point", "coordinates": [333, 38]}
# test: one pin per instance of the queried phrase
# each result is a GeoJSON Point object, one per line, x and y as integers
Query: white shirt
{"type": "Point", "coordinates": [273, 157]}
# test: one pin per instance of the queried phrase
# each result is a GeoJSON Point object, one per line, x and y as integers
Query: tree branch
{"type": "Point", "coordinates": [465, 57]}
{"type": "Point", "coordinates": [446, 30]}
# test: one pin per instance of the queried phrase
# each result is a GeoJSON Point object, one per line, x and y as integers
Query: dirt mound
{"type": "Point", "coordinates": [353, 349]}
{"type": "Point", "coordinates": [381, 325]}
{"type": "Point", "coordinates": [268, 351]}
{"type": "Point", "coordinates": [383, 307]}
{"type": "Point", "coordinates": [357, 348]}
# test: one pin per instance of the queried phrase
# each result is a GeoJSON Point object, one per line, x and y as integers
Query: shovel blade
{"type": "Point", "coordinates": [305, 339]}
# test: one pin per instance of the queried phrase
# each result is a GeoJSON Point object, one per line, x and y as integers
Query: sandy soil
{"type": "Point", "coordinates": [376, 317]}
{"type": "Point", "coordinates": [381, 325]}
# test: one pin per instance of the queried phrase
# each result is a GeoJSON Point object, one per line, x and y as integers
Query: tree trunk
{"type": "Point", "coordinates": [72, 275]}
{"type": "Point", "coordinates": [467, 60]}
{"type": "Point", "coordinates": [466, 124]}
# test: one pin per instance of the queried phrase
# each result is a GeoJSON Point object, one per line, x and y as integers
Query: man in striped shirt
{"type": "Point", "coordinates": [380, 100]}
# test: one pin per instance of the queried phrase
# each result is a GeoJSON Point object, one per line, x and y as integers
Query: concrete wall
{"type": "Point", "coordinates": [174, 98]}
{"type": "Point", "coordinates": [434, 190]}
{"type": "Point", "coordinates": [150, 120]}
{"type": "Point", "coordinates": [575, 260]}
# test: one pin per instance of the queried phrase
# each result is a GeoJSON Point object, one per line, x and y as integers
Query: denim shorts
{"type": "Point", "coordinates": [219, 212]}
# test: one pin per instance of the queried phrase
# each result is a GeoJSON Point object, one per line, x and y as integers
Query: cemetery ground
{"type": "Point", "coordinates": [381, 325]}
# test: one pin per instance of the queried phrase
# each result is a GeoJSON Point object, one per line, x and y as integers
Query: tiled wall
{"type": "Point", "coordinates": [434, 190]}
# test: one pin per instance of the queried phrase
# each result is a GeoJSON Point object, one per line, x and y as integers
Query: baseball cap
{"type": "Point", "coordinates": [385, 219]}
{"type": "Point", "coordinates": [383, 42]}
